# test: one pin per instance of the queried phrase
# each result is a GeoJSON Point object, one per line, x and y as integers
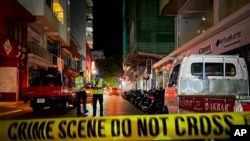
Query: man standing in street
{"type": "Point", "coordinates": [80, 83]}
{"type": "Point", "coordinates": [97, 85]}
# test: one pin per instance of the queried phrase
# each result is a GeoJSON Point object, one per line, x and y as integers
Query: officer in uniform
{"type": "Point", "coordinates": [80, 83]}
{"type": "Point", "coordinates": [97, 85]}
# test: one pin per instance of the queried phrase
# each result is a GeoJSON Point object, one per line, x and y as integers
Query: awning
{"type": "Point", "coordinates": [172, 7]}
{"type": "Point", "coordinates": [21, 13]}
{"type": "Point", "coordinates": [138, 59]}
{"type": "Point", "coordinates": [72, 51]}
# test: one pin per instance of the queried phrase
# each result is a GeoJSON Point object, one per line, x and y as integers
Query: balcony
{"type": "Point", "coordinates": [72, 51]}
{"type": "Point", "coordinates": [41, 56]}
{"type": "Point", "coordinates": [46, 21]}
{"type": "Point", "coordinates": [35, 49]}
{"type": "Point", "coordinates": [89, 10]}
{"type": "Point", "coordinates": [61, 36]}
{"type": "Point", "coordinates": [89, 24]}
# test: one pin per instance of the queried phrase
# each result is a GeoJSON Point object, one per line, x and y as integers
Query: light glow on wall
{"type": "Point", "coordinates": [93, 65]}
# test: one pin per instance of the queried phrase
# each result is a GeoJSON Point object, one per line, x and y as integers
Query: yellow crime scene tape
{"type": "Point", "coordinates": [124, 128]}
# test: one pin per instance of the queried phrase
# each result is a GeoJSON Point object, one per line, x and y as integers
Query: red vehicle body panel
{"type": "Point", "coordinates": [46, 91]}
{"type": "Point", "coordinates": [207, 104]}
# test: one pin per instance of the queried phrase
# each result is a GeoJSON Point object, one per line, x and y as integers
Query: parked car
{"type": "Point", "coordinates": [114, 91]}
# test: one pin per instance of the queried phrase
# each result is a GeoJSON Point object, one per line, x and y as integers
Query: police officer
{"type": "Point", "coordinates": [97, 85]}
{"type": "Point", "coordinates": [80, 83]}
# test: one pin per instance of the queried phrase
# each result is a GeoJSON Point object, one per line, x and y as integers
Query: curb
{"type": "Point", "coordinates": [13, 111]}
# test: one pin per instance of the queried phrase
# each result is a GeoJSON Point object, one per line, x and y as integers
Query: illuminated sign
{"type": "Point", "coordinates": [228, 38]}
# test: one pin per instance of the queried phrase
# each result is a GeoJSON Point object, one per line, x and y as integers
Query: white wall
{"type": "Point", "coordinates": [8, 81]}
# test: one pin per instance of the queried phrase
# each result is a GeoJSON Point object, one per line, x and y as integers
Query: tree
{"type": "Point", "coordinates": [110, 70]}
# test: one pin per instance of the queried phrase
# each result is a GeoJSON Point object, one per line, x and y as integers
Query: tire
{"type": "Point", "coordinates": [165, 110]}
{"type": "Point", "coordinates": [37, 108]}
{"type": "Point", "coordinates": [65, 104]}
{"type": "Point", "coordinates": [74, 103]}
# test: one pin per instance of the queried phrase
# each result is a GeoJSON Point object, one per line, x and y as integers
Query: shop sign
{"type": "Point", "coordinates": [228, 38]}
{"type": "Point", "coordinates": [205, 49]}
{"type": "Point", "coordinates": [11, 49]}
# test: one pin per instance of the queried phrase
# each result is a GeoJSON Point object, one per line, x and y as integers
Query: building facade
{"type": "Point", "coordinates": [210, 27]}
{"type": "Point", "coordinates": [81, 27]}
{"type": "Point", "coordinates": [38, 34]}
{"type": "Point", "coordinates": [13, 52]}
{"type": "Point", "coordinates": [149, 36]}
{"type": "Point", "coordinates": [89, 38]}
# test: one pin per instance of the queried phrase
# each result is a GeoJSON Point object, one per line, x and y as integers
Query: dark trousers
{"type": "Point", "coordinates": [81, 96]}
{"type": "Point", "coordinates": [97, 97]}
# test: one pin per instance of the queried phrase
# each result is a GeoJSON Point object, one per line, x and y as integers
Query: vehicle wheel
{"type": "Point", "coordinates": [144, 108]}
{"type": "Point", "coordinates": [74, 104]}
{"type": "Point", "coordinates": [165, 110]}
{"type": "Point", "coordinates": [66, 105]}
{"type": "Point", "coordinates": [52, 107]}
{"type": "Point", "coordinates": [37, 108]}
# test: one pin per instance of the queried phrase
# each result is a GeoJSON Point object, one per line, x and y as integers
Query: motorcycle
{"type": "Point", "coordinates": [153, 102]}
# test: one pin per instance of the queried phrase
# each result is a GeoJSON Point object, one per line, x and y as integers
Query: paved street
{"type": "Point", "coordinates": [113, 105]}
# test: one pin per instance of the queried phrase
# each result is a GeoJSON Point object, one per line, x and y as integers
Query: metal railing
{"type": "Point", "coordinates": [39, 51]}
{"type": "Point", "coordinates": [45, 54]}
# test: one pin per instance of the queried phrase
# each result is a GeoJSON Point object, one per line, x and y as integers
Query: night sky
{"type": "Point", "coordinates": [107, 26]}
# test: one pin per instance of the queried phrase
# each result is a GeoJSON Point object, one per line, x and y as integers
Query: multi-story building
{"type": "Point", "coordinates": [149, 37]}
{"type": "Point", "coordinates": [38, 34]}
{"type": "Point", "coordinates": [208, 27]}
{"type": "Point", "coordinates": [49, 40]}
{"type": "Point", "coordinates": [13, 38]}
{"type": "Point", "coordinates": [81, 27]}
{"type": "Point", "coordinates": [89, 37]}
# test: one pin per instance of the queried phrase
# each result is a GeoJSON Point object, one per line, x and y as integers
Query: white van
{"type": "Point", "coordinates": [207, 83]}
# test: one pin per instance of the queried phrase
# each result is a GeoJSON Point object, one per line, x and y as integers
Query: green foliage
{"type": "Point", "coordinates": [110, 70]}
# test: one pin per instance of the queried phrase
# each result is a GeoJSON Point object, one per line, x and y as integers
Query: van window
{"type": "Point", "coordinates": [213, 69]}
{"type": "Point", "coordinates": [230, 69]}
{"type": "Point", "coordinates": [197, 69]}
{"type": "Point", "coordinates": [174, 76]}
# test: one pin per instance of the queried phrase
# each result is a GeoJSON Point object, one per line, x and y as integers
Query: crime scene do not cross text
{"type": "Point", "coordinates": [146, 127]}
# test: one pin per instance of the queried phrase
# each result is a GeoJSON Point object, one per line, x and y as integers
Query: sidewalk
{"type": "Point", "coordinates": [7, 107]}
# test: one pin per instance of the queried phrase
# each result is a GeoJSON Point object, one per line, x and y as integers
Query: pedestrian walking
{"type": "Point", "coordinates": [97, 85]}
{"type": "Point", "coordinates": [80, 83]}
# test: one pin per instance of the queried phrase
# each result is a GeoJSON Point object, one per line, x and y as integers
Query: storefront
{"type": "Point", "coordinates": [162, 75]}
{"type": "Point", "coordinates": [13, 51]}
{"type": "Point", "coordinates": [230, 36]}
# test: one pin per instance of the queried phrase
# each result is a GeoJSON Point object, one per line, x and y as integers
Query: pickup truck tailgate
{"type": "Point", "coordinates": [43, 91]}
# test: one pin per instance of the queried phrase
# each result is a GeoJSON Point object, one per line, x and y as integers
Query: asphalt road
{"type": "Point", "coordinates": [113, 106]}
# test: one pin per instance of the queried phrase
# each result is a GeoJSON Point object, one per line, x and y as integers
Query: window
{"type": "Point", "coordinates": [213, 69]}
{"type": "Point", "coordinates": [230, 70]}
{"type": "Point", "coordinates": [50, 80]}
{"type": "Point", "coordinates": [228, 7]}
{"type": "Point", "coordinates": [197, 69]}
{"type": "Point", "coordinates": [174, 76]}
{"type": "Point", "coordinates": [13, 30]}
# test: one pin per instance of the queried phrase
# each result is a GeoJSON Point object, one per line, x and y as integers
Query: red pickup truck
{"type": "Point", "coordinates": [49, 90]}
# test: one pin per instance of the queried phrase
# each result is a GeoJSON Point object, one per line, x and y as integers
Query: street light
{"type": "Point", "coordinates": [94, 72]}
